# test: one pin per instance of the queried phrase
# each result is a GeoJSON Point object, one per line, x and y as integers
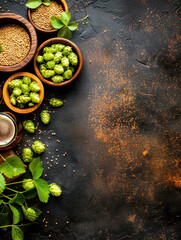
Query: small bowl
{"type": "Point", "coordinates": [6, 95]}
{"type": "Point", "coordinates": [67, 43]}
{"type": "Point", "coordinates": [65, 8]}
{"type": "Point", "coordinates": [19, 20]}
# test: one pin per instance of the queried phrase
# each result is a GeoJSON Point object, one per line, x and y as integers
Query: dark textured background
{"type": "Point", "coordinates": [120, 126]}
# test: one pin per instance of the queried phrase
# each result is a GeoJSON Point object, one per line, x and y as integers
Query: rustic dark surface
{"type": "Point", "coordinates": [120, 126]}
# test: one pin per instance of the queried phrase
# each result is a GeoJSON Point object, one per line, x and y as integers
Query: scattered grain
{"type": "Point", "coordinates": [16, 44]}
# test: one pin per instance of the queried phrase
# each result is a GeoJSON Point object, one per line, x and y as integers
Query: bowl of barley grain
{"type": "Point", "coordinates": [18, 42]}
{"type": "Point", "coordinates": [40, 17]}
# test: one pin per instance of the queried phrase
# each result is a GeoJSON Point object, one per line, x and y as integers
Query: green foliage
{"type": "Point", "coordinates": [17, 233]}
{"type": "Point", "coordinates": [36, 3]}
{"type": "Point", "coordinates": [36, 168]}
{"type": "Point", "coordinates": [29, 194]}
{"type": "Point", "coordinates": [2, 183]}
{"type": "Point", "coordinates": [16, 214]}
{"type": "Point", "coordinates": [17, 199]}
{"type": "Point", "coordinates": [16, 210]}
{"type": "Point", "coordinates": [1, 48]}
{"type": "Point", "coordinates": [42, 190]}
{"type": "Point", "coordinates": [63, 23]}
{"type": "Point", "coordinates": [13, 166]}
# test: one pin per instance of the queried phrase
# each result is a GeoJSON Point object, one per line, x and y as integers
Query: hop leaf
{"type": "Point", "coordinates": [17, 233]}
{"type": "Point", "coordinates": [33, 4]}
{"type": "Point", "coordinates": [47, 3]}
{"type": "Point", "coordinates": [13, 166]}
{"type": "Point", "coordinates": [65, 33]}
{"type": "Point", "coordinates": [2, 183]}
{"type": "Point", "coordinates": [16, 214]}
{"type": "Point", "coordinates": [56, 22]}
{"type": "Point", "coordinates": [65, 18]}
{"type": "Point", "coordinates": [72, 26]}
{"type": "Point", "coordinates": [36, 168]}
{"type": "Point", "coordinates": [43, 190]}
{"type": "Point", "coordinates": [18, 199]}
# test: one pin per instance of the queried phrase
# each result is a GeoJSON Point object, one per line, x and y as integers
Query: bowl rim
{"type": "Point", "coordinates": [65, 6]}
{"type": "Point", "coordinates": [33, 41]}
{"type": "Point", "coordinates": [66, 42]}
{"type": "Point", "coordinates": [6, 93]}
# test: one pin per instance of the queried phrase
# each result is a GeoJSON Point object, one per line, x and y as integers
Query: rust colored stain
{"type": "Point", "coordinates": [137, 152]}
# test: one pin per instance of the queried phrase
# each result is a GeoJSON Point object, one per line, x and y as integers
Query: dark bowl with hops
{"type": "Point", "coordinates": [40, 16]}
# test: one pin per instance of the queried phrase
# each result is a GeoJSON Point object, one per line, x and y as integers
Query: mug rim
{"type": "Point", "coordinates": [16, 129]}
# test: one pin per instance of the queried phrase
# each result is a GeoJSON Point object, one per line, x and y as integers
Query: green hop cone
{"type": "Point", "coordinates": [31, 214]}
{"type": "Point", "coordinates": [45, 117]}
{"type": "Point", "coordinates": [55, 102]}
{"type": "Point", "coordinates": [27, 155]}
{"type": "Point", "coordinates": [55, 190]}
{"type": "Point", "coordinates": [38, 147]}
{"type": "Point", "coordinates": [29, 126]}
{"type": "Point", "coordinates": [28, 184]}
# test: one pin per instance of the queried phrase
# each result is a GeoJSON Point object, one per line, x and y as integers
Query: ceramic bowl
{"type": "Point", "coordinates": [6, 94]}
{"type": "Point", "coordinates": [6, 18]}
{"type": "Point", "coordinates": [67, 43]}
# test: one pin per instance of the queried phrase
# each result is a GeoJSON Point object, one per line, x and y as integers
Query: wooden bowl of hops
{"type": "Point", "coordinates": [23, 92]}
{"type": "Point", "coordinates": [61, 70]}
{"type": "Point", "coordinates": [18, 42]}
{"type": "Point", "coordinates": [40, 17]}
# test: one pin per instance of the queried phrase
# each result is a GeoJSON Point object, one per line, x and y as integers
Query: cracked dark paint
{"type": "Point", "coordinates": [120, 125]}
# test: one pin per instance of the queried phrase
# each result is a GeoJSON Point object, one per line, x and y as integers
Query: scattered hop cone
{"type": "Point", "coordinates": [55, 190]}
{"type": "Point", "coordinates": [45, 117]}
{"type": "Point", "coordinates": [27, 155]}
{"type": "Point", "coordinates": [29, 126]}
{"type": "Point", "coordinates": [38, 147]}
{"type": "Point", "coordinates": [31, 214]}
{"type": "Point", "coordinates": [29, 184]}
{"type": "Point", "coordinates": [55, 102]}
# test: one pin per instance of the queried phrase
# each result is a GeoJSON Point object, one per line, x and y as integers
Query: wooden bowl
{"type": "Point", "coordinates": [65, 8]}
{"type": "Point", "coordinates": [54, 41]}
{"type": "Point", "coordinates": [19, 20]}
{"type": "Point", "coordinates": [6, 94]}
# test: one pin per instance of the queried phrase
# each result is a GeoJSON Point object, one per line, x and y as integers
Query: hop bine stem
{"type": "Point", "coordinates": [82, 19]}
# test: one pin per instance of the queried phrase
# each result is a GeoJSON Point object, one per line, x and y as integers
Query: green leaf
{"type": "Point", "coordinates": [29, 194]}
{"type": "Point", "coordinates": [36, 168]}
{"type": "Point", "coordinates": [33, 4]}
{"type": "Point", "coordinates": [12, 167]}
{"type": "Point", "coordinates": [5, 217]}
{"type": "Point", "coordinates": [65, 33]}
{"type": "Point", "coordinates": [65, 17]}
{"type": "Point", "coordinates": [17, 233]}
{"type": "Point", "coordinates": [2, 183]}
{"type": "Point", "coordinates": [43, 190]}
{"type": "Point", "coordinates": [1, 48]}
{"type": "Point", "coordinates": [18, 199]}
{"type": "Point", "coordinates": [72, 26]}
{"type": "Point", "coordinates": [16, 214]}
{"type": "Point", "coordinates": [1, 201]}
{"type": "Point", "coordinates": [56, 22]}
{"type": "Point", "coordinates": [47, 3]}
